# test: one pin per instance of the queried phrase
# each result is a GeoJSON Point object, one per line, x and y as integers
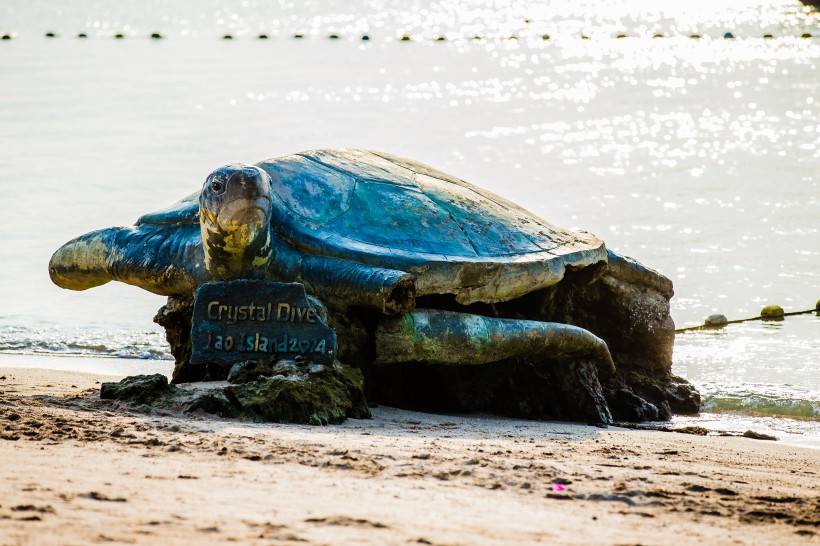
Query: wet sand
{"type": "Point", "coordinates": [78, 470]}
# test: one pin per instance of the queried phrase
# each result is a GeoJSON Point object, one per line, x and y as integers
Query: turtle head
{"type": "Point", "coordinates": [234, 216]}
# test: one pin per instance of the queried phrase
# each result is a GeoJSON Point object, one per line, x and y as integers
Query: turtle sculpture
{"type": "Point", "coordinates": [437, 271]}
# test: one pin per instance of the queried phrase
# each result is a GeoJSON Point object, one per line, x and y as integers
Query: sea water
{"type": "Point", "coordinates": [694, 151]}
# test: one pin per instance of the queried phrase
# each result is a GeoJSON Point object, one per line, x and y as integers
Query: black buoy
{"type": "Point", "coordinates": [50, 35]}
{"type": "Point", "coordinates": [728, 36]}
{"type": "Point", "coordinates": [545, 36]}
{"type": "Point", "coordinates": [298, 36]}
{"type": "Point", "coordinates": [333, 37]}
{"type": "Point", "coordinates": [584, 37]}
{"type": "Point", "coordinates": [119, 36]}
{"type": "Point", "coordinates": [82, 35]}
{"type": "Point", "coordinates": [227, 37]}
{"type": "Point", "coordinates": [695, 36]}
{"type": "Point", "coordinates": [441, 38]}
{"type": "Point", "coordinates": [621, 36]}
{"type": "Point", "coordinates": [5, 37]}
{"type": "Point", "coordinates": [767, 36]}
{"type": "Point", "coordinates": [805, 35]}
{"type": "Point", "coordinates": [262, 36]}
{"type": "Point", "coordinates": [365, 38]}
{"type": "Point", "coordinates": [513, 37]}
{"type": "Point", "coordinates": [477, 37]}
{"type": "Point", "coordinates": [659, 36]}
{"type": "Point", "coordinates": [157, 36]}
{"type": "Point", "coordinates": [405, 38]}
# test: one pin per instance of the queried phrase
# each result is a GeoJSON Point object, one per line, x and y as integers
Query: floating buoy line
{"type": "Point", "coordinates": [410, 38]}
{"type": "Point", "coordinates": [770, 312]}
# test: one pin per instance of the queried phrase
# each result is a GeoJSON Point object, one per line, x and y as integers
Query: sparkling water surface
{"type": "Point", "coordinates": [698, 156]}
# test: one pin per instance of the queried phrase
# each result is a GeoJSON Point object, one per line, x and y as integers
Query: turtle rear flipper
{"type": "Point", "coordinates": [163, 259]}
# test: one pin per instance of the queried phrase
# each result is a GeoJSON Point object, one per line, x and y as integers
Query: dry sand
{"type": "Point", "coordinates": [78, 470]}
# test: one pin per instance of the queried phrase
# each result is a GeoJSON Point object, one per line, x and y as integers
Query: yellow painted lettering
{"type": "Point", "coordinates": [283, 312]}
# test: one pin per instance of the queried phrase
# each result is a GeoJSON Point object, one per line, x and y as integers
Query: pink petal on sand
{"type": "Point", "coordinates": [559, 487]}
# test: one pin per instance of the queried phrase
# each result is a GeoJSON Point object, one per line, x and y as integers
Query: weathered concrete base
{"type": "Point", "coordinates": [519, 387]}
{"type": "Point", "coordinates": [627, 305]}
{"type": "Point", "coordinates": [635, 396]}
{"type": "Point", "coordinates": [281, 393]}
{"type": "Point", "coordinates": [622, 302]}
{"type": "Point", "coordinates": [175, 317]}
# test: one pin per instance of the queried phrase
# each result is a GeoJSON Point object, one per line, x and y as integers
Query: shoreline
{"type": "Point", "coordinates": [788, 430]}
{"type": "Point", "coordinates": [74, 468]}
{"type": "Point", "coordinates": [113, 366]}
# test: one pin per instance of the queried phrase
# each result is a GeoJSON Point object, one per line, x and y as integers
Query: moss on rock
{"type": "Point", "coordinates": [315, 394]}
{"type": "Point", "coordinates": [306, 394]}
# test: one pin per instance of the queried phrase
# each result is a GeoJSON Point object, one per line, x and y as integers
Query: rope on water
{"type": "Point", "coordinates": [770, 312]}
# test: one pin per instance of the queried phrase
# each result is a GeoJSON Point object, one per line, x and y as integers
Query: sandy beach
{"type": "Point", "coordinates": [75, 469]}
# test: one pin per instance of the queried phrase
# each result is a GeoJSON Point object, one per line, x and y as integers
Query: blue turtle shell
{"type": "Point", "coordinates": [386, 211]}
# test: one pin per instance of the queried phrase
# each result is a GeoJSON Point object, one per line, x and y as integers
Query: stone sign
{"type": "Point", "coordinates": [243, 320]}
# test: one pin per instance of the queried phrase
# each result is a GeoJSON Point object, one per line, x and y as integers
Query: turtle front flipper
{"type": "Point", "coordinates": [163, 259]}
{"type": "Point", "coordinates": [184, 211]}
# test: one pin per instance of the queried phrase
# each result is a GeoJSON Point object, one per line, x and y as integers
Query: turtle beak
{"type": "Point", "coordinates": [244, 218]}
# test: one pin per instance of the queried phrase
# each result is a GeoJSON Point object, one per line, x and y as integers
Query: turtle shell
{"type": "Point", "coordinates": [382, 210]}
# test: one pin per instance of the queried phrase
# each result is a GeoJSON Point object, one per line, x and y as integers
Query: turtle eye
{"type": "Point", "coordinates": [217, 186]}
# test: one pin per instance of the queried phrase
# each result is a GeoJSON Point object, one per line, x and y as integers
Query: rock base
{"type": "Point", "coordinates": [520, 387]}
{"type": "Point", "coordinates": [622, 302]}
{"type": "Point", "coordinates": [290, 393]}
